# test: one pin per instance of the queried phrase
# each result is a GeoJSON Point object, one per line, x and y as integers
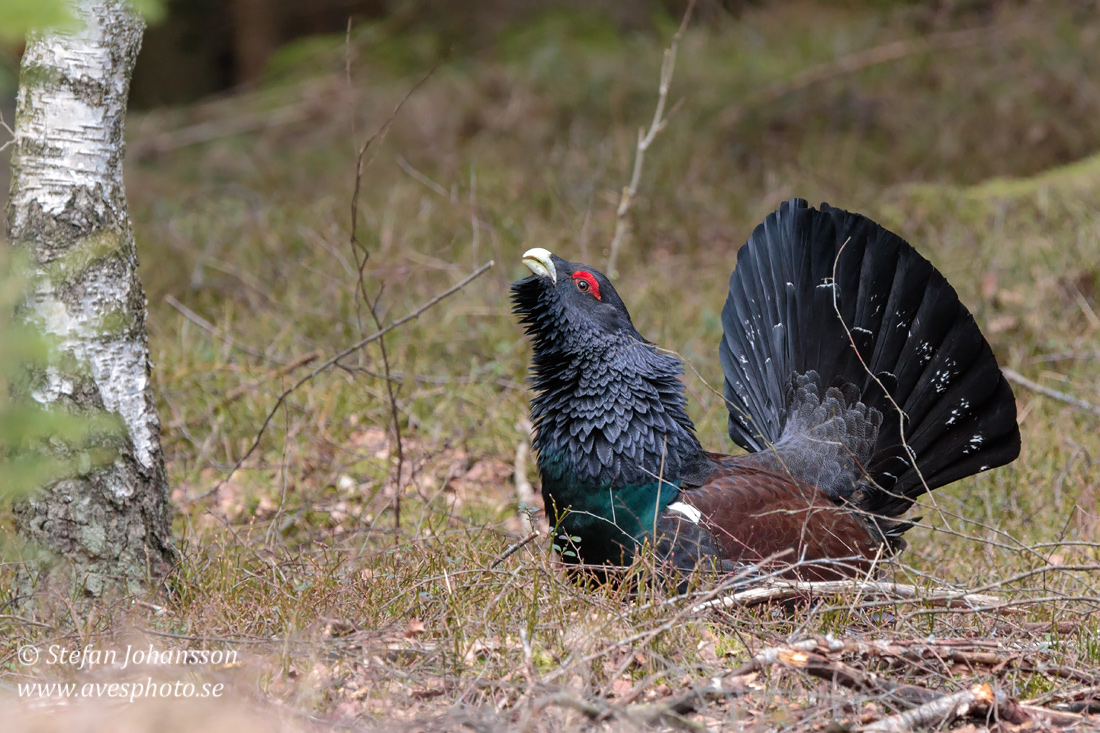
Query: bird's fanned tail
{"type": "Point", "coordinates": [897, 395]}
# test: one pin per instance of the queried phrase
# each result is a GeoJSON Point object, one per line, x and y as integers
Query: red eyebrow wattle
{"type": "Point", "coordinates": [592, 284]}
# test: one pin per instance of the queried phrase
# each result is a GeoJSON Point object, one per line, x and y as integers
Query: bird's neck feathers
{"type": "Point", "coordinates": [612, 439]}
{"type": "Point", "coordinates": [609, 413]}
{"type": "Point", "coordinates": [610, 427]}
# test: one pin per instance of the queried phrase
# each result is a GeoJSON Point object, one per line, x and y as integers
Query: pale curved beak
{"type": "Point", "coordinates": [538, 261]}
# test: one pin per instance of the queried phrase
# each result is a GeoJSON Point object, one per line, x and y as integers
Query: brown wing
{"type": "Point", "coordinates": [754, 514]}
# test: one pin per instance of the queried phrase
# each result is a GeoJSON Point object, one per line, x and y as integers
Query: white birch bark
{"type": "Point", "coordinates": [68, 210]}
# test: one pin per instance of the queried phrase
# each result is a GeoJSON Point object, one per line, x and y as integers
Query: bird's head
{"type": "Point", "coordinates": [574, 304]}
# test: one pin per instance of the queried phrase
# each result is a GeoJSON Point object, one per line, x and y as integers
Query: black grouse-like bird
{"type": "Point", "coordinates": [854, 377]}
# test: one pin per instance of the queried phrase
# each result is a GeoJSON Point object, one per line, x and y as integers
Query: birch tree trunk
{"type": "Point", "coordinates": [67, 209]}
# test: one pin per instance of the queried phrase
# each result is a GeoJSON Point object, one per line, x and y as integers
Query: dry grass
{"type": "Point", "coordinates": [344, 617]}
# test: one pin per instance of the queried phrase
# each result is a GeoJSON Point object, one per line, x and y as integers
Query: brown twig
{"type": "Point", "coordinates": [813, 657]}
{"type": "Point", "coordinates": [1063, 356]}
{"type": "Point", "coordinates": [1059, 718]}
{"type": "Point", "coordinates": [514, 548]}
{"type": "Point", "coordinates": [362, 255]}
{"type": "Point", "coordinates": [645, 139]}
{"type": "Point", "coordinates": [809, 656]}
{"type": "Point", "coordinates": [395, 415]}
{"type": "Point", "coordinates": [968, 652]}
{"type": "Point", "coordinates": [1075, 402]}
{"type": "Point", "coordinates": [416, 313]}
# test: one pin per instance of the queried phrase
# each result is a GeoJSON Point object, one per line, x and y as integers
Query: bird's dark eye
{"type": "Point", "coordinates": [586, 283]}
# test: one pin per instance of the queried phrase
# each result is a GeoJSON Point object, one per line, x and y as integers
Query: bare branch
{"type": "Point", "coordinates": [783, 589]}
{"type": "Point", "coordinates": [416, 313]}
{"type": "Point", "coordinates": [979, 700]}
{"type": "Point", "coordinates": [645, 139]}
{"type": "Point", "coordinates": [513, 548]}
{"type": "Point", "coordinates": [1075, 402]}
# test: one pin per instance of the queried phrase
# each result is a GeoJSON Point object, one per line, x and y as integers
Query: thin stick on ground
{"type": "Point", "coordinates": [391, 393]}
{"type": "Point", "coordinates": [514, 548]}
{"type": "Point", "coordinates": [784, 589]}
{"type": "Point", "coordinates": [645, 139]}
{"type": "Point", "coordinates": [928, 707]}
{"type": "Point", "coordinates": [1076, 402]}
{"type": "Point", "coordinates": [979, 700]}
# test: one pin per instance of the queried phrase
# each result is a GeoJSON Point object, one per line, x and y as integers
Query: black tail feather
{"type": "Point", "coordinates": [903, 340]}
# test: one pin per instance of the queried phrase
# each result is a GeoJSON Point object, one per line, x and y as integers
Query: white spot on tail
{"type": "Point", "coordinates": [687, 510]}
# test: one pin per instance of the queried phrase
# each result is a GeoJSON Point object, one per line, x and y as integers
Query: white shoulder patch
{"type": "Point", "coordinates": [687, 510]}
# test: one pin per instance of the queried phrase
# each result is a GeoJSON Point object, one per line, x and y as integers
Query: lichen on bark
{"type": "Point", "coordinates": [109, 525]}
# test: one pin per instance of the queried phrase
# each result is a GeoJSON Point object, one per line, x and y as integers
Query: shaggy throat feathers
{"type": "Point", "coordinates": [610, 425]}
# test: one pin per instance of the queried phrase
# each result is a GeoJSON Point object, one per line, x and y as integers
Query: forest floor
{"type": "Point", "coordinates": [345, 530]}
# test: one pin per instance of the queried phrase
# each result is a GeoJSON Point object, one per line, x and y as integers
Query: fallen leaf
{"type": "Point", "coordinates": [621, 687]}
